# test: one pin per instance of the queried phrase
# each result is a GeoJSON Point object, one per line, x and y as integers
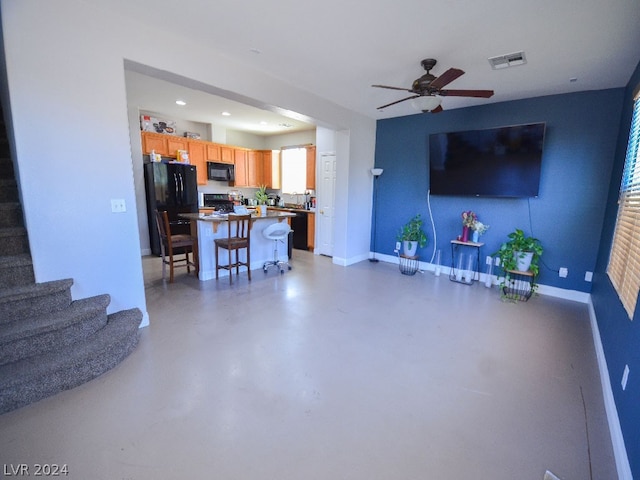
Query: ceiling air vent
{"type": "Point", "coordinates": [508, 60]}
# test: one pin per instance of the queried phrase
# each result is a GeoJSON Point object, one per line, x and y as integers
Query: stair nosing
{"type": "Point", "coordinates": [47, 323]}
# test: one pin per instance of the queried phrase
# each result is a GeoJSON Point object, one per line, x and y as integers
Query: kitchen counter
{"type": "Point", "coordinates": [205, 228]}
{"type": "Point", "coordinates": [291, 209]}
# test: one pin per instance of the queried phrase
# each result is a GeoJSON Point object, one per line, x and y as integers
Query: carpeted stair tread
{"type": "Point", "coordinates": [13, 241]}
{"type": "Point", "coordinates": [10, 214]}
{"type": "Point", "coordinates": [16, 270]}
{"type": "Point", "coordinates": [12, 232]}
{"type": "Point", "coordinates": [34, 299]}
{"type": "Point", "coordinates": [35, 378]}
{"type": "Point", "coordinates": [15, 260]}
{"type": "Point", "coordinates": [36, 335]}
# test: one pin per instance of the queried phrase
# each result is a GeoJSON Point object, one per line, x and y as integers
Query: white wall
{"type": "Point", "coordinates": [71, 125]}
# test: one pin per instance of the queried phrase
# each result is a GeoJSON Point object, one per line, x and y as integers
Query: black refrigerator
{"type": "Point", "coordinates": [172, 187]}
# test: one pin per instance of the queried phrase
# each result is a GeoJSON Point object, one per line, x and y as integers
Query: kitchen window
{"type": "Point", "coordinates": [624, 260]}
{"type": "Point", "coordinates": [294, 170]}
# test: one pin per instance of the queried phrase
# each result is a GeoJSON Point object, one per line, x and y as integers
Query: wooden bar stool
{"type": "Point", "coordinates": [238, 237]}
{"type": "Point", "coordinates": [173, 245]}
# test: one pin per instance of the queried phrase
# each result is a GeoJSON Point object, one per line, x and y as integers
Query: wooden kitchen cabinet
{"type": "Point", "coordinates": [311, 230]}
{"type": "Point", "coordinates": [311, 168]}
{"type": "Point", "coordinates": [255, 168]}
{"type": "Point", "coordinates": [165, 145]}
{"type": "Point", "coordinates": [156, 142]}
{"type": "Point", "coordinates": [227, 154]}
{"type": "Point", "coordinates": [174, 144]}
{"type": "Point", "coordinates": [271, 170]}
{"type": "Point", "coordinates": [197, 157]}
{"type": "Point", "coordinates": [213, 152]}
{"type": "Point", "coordinates": [241, 170]}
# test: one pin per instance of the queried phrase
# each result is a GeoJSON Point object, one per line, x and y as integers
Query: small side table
{"type": "Point", "coordinates": [456, 274]}
{"type": "Point", "coordinates": [519, 286]}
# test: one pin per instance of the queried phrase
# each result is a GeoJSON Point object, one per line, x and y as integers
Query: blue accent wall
{"type": "Point", "coordinates": [567, 216]}
{"type": "Point", "coordinates": [620, 336]}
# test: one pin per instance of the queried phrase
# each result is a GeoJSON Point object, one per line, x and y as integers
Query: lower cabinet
{"type": "Point", "coordinates": [304, 230]}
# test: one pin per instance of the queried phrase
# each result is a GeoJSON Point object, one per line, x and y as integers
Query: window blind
{"type": "Point", "coordinates": [624, 259]}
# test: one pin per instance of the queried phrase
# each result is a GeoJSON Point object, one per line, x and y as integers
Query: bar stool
{"type": "Point", "coordinates": [173, 245]}
{"type": "Point", "coordinates": [277, 232]}
{"type": "Point", "coordinates": [238, 237]}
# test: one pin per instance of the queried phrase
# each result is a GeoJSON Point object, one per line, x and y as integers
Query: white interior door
{"type": "Point", "coordinates": [325, 210]}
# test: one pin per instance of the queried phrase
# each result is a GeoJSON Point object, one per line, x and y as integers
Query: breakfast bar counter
{"type": "Point", "coordinates": [205, 228]}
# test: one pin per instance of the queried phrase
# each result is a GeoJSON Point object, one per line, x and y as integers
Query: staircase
{"type": "Point", "coordinates": [48, 342]}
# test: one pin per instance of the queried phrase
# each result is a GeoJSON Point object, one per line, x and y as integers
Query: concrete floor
{"type": "Point", "coordinates": [327, 373]}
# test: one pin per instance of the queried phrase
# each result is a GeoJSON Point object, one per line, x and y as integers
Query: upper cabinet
{"type": "Point", "coordinates": [253, 168]}
{"type": "Point", "coordinates": [241, 168]}
{"type": "Point", "coordinates": [227, 154]}
{"type": "Point", "coordinates": [165, 145]}
{"type": "Point", "coordinates": [197, 156]}
{"type": "Point", "coordinates": [271, 169]}
{"type": "Point", "coordinates": [311, 168]}
{"type": "Point", "coordinates": [213, 152]}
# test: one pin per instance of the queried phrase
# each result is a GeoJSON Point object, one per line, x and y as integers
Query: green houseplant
{"type": "Point", "coordinates": [261, 195]}
{"type": "Point", "coordinates": [520, 253]}
{"type": "Point", "coordinates": [262, 198]}
{"type": "Point", "coordinates": [412, 236]}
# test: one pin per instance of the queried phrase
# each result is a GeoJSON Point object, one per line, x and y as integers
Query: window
{"type": "Point", "coordinates": [624, 261]}
{"type": "Point", "coordinates": [294, 170]}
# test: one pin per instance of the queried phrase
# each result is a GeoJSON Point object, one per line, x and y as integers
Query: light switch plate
{"type": "Point", "coordinates": [118, 205]}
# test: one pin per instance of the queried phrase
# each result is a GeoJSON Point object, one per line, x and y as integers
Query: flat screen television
{"type": "Point", "coordinates": [494, 162]}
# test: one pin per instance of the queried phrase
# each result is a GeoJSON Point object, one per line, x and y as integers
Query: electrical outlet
{"type": "Point", "coordinates": [625, 377]}
{"type": "Point", "coordinates": [497, 261]}
{"type": "Point", "coordinates": [563, 272]}
{"type": "Point", "coordinates": [398, 246]}
{"type": "Point", "coordinates": [488, 260]}
{"type": "Point", "coordinates": [588, 277]}
{"type": "Point", "coordinates": [118, 205]}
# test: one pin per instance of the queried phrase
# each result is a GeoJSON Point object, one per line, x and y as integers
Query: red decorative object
{"type": "Point", "coordinates": [465, 234]}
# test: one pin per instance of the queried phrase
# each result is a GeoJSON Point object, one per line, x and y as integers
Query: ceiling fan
{"type": "Point", "coordinates": [430, 86]}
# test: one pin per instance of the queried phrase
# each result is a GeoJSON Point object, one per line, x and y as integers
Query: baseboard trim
{"type": "Point", "coordinates": [617, 440]}
{"type": "Point", "coordinates": [573, 295]}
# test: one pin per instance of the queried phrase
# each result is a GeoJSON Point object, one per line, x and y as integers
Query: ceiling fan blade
{"type": "Point", "coordinates": [466, 93]}
{"type": "Point", "coordinates": [438, 109]}
{"type": "Point", "coordinates": [398, 101]}
{"type": "Point", "coordinates": [446, 78]}
{"type": "Point", "coordinates": [392, 88]}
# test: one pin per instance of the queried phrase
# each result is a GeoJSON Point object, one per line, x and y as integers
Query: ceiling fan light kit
{"type": "Point", "coordinates": [426, 104]}
{"type": "Point", "coordinates": [428, 89]}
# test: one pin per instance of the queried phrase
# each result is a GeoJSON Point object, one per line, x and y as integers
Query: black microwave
{"type": "Point", "coordinates": [220, 171]}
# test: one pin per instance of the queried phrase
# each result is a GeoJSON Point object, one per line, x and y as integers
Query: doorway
{"type": "Point", "coordinates": [326, 198]}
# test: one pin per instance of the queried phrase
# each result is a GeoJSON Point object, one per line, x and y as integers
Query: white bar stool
{"type": "Point", "coordinates": [278, 232]}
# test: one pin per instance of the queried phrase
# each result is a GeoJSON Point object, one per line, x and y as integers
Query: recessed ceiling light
{"type": "Point", "coordinates": [573, 79]}
{"type": "Point", "coordinates": [257, 51]}
{"type": "Point", "coordinates": [226, 114]}
{"type": "Point", "coordinates": [182, 103]}
{"type": "Point", "coordinates": [263, 123]}
{"type": "Point", "coordinates": [285, 125]}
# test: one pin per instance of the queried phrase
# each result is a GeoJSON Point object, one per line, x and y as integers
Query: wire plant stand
{"type": "Point", "coordinates": [408, 265]}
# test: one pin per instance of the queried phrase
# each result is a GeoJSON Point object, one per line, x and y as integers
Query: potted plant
{"type": "Point", "coordinates": [262, 198]}
{"type": "Point", "coordinates": [519, 254]}
{"type": "Point", "coordinates": [412, 236]}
